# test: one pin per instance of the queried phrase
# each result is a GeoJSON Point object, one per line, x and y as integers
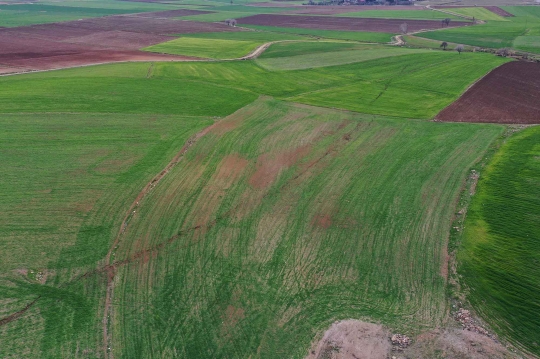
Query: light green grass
{"type": "Point", "coordinates": [333, 58]}
{"type": "Point", "coordinates": [479, 13]}
{"type": "Point", "coordinates": [363, 36]}
{"type": "Point", "coordinates": [305, 216]}
{"type": "Point", "coordinates": [500, 253]}
{"type": "Point", "coordinates": [207, 48]}
{"type": "Point", "coordinates": [401, 14]}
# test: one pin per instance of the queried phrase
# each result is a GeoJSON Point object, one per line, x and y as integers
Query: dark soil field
{"type": "Point", "coordinates": [332, 10]}
{"type": "Point", "coordinates": [92, 41]}
{"type": "Point", "coordinates": [342, 23]}
{"type": "Point", "coordinates": [508, 94]}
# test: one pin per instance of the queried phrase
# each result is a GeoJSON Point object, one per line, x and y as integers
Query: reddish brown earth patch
{"type": "Point", "coordinates": [342, 23]}
{"type": "Point", "coordinates": [332, 10]}
{"type": "Point", "coordinates": [269, 165]}
{"type": "Point", "coordinates": [231, 166]}
{"type": "Point", "coordinates": [508, 94]}
{"type": "Point", "coordinates": [93, 41]}
{"type": "Point", "coordinates": [322, 221]}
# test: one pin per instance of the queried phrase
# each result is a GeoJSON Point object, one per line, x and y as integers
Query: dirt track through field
{"type": "Point", "coordinates": [343, 23]}
{"type": "Point", "coordinates": [508, 94]}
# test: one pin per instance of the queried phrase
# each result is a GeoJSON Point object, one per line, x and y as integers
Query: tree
{"type": "Point", "coordinates": [231, 22]}
{"type": "Point", "coordinates": [502, 52]}
{"type": "Point", "coordinates": [444, 45]}
{"type": "Point", "coordinates": [446, 21]}
{"type": "Point", "coordinates": [403, 27]}
{"type": "Point", "coordinates": [460, 48]}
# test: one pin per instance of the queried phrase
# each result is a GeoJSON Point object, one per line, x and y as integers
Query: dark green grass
{"type": "Point", "coordinates": [363, 36]}
{"type": "Point", "coordinates": [500, 255]}
{"type": "Point", "coordinates": [512, 33]}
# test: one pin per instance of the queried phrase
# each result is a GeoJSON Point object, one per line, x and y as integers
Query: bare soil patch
{"type": "Point", "coordinates": [93, 41]}
{"type": "Point", "coordinates": [332, 10]}
{"type": "Point", "coordinates": [352, 339]}
{"type": "Point", "coordinates": [342, 23]}
{"type": "Point", "coordinates": [508, 94]}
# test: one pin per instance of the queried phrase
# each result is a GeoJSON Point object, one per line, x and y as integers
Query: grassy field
{"type": "Point", "coordinates": [420, 42]}
{"type": "Point", "coordinates": [30, 14]}
{"type": "Point", "coordinates": [500, 255]}
{"type": "Point", "coordinates": [283, 219]}
{"type": "Point", "coordinates": [479, 13]}
{"type": "Point", "coordinates": [385, 86]}
{"type": "Point", "coordinates": [512, 33]}
{"type": "Point", "coordinates": [206, 48]}
{"type": "Point", "coordinates": [221, 13]}
{"type": "Point", "coordinates": [362, 36]}
{"type": "Point", "coordinates": [277, 221]}
{"type": "Point", "coordinates": [330, 57]}
{"type": "Point", "coordinates": [402, 14]}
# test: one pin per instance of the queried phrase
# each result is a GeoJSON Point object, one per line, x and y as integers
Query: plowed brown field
{"type": "Point", "coordinates": [508, 94]}
{"type": "Point", "coordinates": [342, 23]}
{"type": "Point", "coordinates": [92, 41]}
{"type": "Point", "coordinates": [332, 10]}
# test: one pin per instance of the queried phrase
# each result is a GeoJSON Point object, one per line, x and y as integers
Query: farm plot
{"type": "Point", "coordinates": [498, 34]}
{"type": "Point", "coordinates": [280, 220]}
{"type": "Point", "coordinates": [422, 14]}
{"type": "Point", "coordinates": [508, 94]}
{"type": "Point", "coordinates": [500, 253]}
{"type": "Point", "coordinates": [334, 10]}
{"type": "Point", "coordinates": [342, 24]}
{"type": "Point", "coordinates": [363, 36]}
{"type": "Point", "coordinates": [208, 48]}
{"type": "Point", "coordinates": [115, 38]}
{"type": "Point", "coordinates": [324, 58]}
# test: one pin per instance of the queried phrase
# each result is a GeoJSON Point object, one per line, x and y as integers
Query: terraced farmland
{"type": "Point", "coordinates": [500, 254]}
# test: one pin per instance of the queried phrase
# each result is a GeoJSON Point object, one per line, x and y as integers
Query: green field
{"type": "Point", "coordinates": [206, 48]}
{"type": "Point", "coordinates": [236, 209]}
{"type": "Point", "coordinates": [330, 57]}
{"type": "Point", "coordinates": [500, 254]}
{"type": "Point", "coordinates": [408, 85]}
{"type": "Point", "coordinates": [512, 33]}
{"type": "Point", "coordinates": [362, 36]}
{"type": "Point", "coordinates": [30, 14]}
{"type": "Point", "coordinates": [270, 228]}
{"type": "Point", "coordinates": [479, 13]}
{"type": "Point", "coordinates": [401, 14]}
